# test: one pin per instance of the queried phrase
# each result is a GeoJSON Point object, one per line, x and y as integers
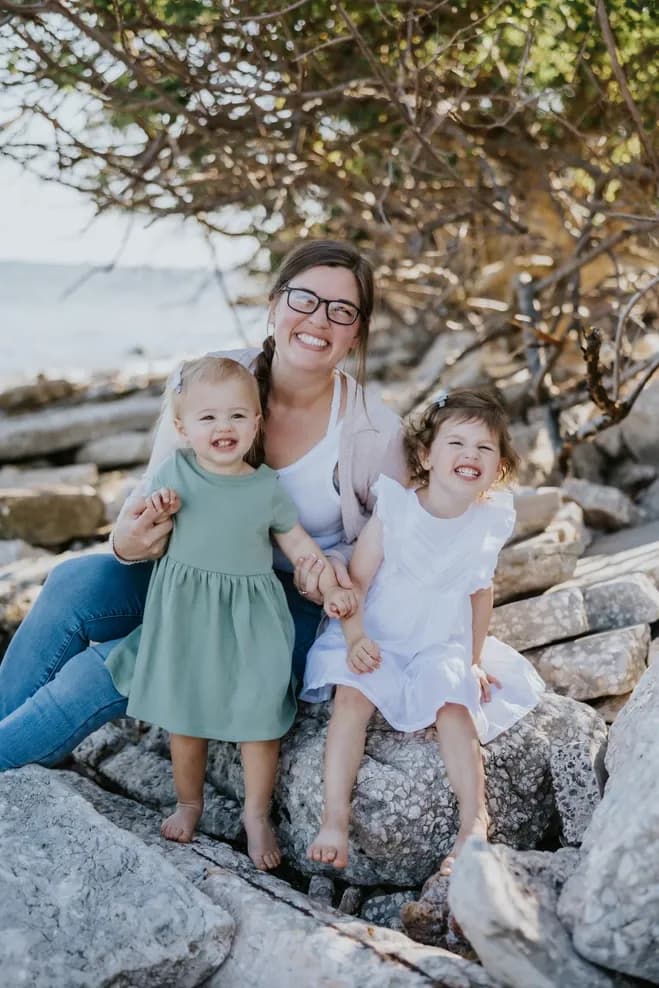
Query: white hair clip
{"type": "Point", "coordinates": [440, 398]}
{"type": "Point", "coordinates": [178, 380]}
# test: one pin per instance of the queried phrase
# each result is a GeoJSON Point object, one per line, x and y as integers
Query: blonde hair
{"type": "Point", "coordinates": [461, 405]}
{"type": "Point", "coordinates": [215, 370]}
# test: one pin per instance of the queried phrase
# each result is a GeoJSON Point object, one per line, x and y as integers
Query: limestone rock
{"type": "Point", "coordinates": [631, 550]}
{"type": "Point", "coordinates": [609, 707]}
{"type": "Point", "coordinates": [534, 510]}
{"type": "Point", "coordinates": [321, 889]}
{"type": "Point", "coordinates": [14, 550]}
{"type": "Point", "coordinates": [42, 478]}
{"type": "Point", "coordinates": [603, 506]}
{"type": "Point", "coordinates": [20, 583]}
{"type": "Point", "coordinates": [534, 445]}
{"type": "Point", "coordinates": [639, 428]}
{"type": "Point", "coordinates": [611, 903]}
{"type": "Point", "coordinates": [505, 902]}
{"type": "Point", "coordinates": [351, 900]}
{"type": "Point", "coordinates": [649, 501]}
{"type": "Point", "coordinates": [113, 489]}
{"type": "Point", "coordinates": [50, 517]}
{"type": "Point", "coordinates": [404, 812]}
{"type": "Point", "coordinates": [147, 776]}
{"type": "Point", "coordinates": [385, 909]}
{"type": "Point", "coordinates": [429, 919]}
{"type": "Point", "coordinates": [74, 874]}
{"type": "Point", "coordinates": [282, 937]}
{"type": "Point", "coordinates": [38, 433]}
{"type": "Point", "coordinates": [123, 449]}
{"type": "Point", "coordinates": [535, 621]}
{"type": "Point", "coordinates": [632, 477]}
{"type": "Point", "coordinates": [605, 664]}
{"type": "Point", "coordinates": [535, 564]}
{"type": "Point", "coordinates": [626, 600]}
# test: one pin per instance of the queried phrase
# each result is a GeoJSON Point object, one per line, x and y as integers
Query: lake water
{"type": "Point", "coordinates": [126, 318]}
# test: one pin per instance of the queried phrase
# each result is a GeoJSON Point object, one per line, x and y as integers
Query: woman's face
{"type": "Point", "coordinates": [311, 342]}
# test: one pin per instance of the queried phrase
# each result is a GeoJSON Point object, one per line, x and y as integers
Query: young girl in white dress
{"type": "Point", "coordinates": [417, 646]}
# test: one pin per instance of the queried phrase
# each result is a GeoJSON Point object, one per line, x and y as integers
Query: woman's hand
{"type": "Point", "coordinates": [485, 681]}
{"type": "Point", "coordinates": [138, 534]}
{"type": "Point", "coordinates": [364, 656]}
{"type": "Point", "coordinates": [307, 573]}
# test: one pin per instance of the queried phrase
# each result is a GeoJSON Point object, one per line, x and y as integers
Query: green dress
{"type": "Point", "coordinates": [212, 658]}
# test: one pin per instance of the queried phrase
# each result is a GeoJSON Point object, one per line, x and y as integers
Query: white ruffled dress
{"type": "Point", "coordinates": [419, 611]}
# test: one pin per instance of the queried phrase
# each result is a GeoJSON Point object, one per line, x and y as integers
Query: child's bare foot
{"type": "Point", "coordinates": [262, 845]}
{"type": "Point", "coordinates": [478, 827]}
{"type": "Point", "coordinates": [180, 826]}
{"type": "Point", "coordinates": [330, 845]}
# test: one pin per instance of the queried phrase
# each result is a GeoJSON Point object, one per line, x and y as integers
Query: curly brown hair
{"type": "Point", "coordinates": [462, 405]}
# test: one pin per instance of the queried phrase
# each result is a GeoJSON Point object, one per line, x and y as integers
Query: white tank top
{"type": "Point", "coordinates": [310, 483]}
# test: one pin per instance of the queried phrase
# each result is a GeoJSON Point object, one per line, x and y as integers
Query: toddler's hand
{"type": "Point", "coordinates": [364, 656]}
{"type": "Point", "coordinates": [485, 680]}
{"type": "Point", "coordinates": [161, 504]}
{"type": "Point", "coordinates": [340, 603]}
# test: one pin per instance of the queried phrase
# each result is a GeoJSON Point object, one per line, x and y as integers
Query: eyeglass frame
{"type": "Point", "coordinates": [326, 301]}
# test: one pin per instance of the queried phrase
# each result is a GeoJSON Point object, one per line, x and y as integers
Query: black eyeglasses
{"type": "Point", "coordinates": [338, 310]}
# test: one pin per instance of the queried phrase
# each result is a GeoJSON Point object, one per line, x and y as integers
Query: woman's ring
{"type": "Point", "coordinates": [303, 593]}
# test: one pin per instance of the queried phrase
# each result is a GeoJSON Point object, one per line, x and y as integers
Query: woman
{"type": "Point", "coordinates": [328, 446]}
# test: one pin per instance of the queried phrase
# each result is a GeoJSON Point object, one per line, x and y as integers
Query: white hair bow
{"type": "Point", "coordinates": [439, 398]}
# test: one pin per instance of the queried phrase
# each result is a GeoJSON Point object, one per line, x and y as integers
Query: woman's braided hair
{"type": "Point", "coordinates": [319, 253]}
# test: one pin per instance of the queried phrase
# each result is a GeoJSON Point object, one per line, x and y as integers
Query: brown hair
{"type": "Point", "coordinates": [313, 254]}
{"type": "Point", "coordinates": [215, 370]}
{"type": "Point", "coordinates": [462, 405]}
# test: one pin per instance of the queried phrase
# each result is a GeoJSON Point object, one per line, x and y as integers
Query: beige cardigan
{"type": "Point", "coordinates": [371, 443]}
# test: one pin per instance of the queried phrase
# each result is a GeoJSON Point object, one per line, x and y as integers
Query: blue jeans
{"type": "Point", "coordinates": [54, 686]}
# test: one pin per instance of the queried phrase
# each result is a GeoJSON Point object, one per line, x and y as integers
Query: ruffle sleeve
{"type": "Point", "coordinates": [497, 521]}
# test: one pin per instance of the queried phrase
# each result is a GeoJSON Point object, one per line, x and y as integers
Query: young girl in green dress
{"type": "Point", "coordinates": [212, 658]}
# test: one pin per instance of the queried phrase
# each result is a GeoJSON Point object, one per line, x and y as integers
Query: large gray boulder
{"type": "Point", "coordinates": [611, 903]}
{"type": "Point", "coordinates": [84, 903]}
{"type": "Point", "coordinates": [505, 903]}
{"type": "Point", "coordinates": [282, 937]}
{"type": "Point", "coordinates": [544, 774]}
{"type": "Point", "coordinates": [404, 812]}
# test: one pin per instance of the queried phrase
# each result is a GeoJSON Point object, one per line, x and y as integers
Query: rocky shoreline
{"type": "Point", "coordinates": [570, 900]}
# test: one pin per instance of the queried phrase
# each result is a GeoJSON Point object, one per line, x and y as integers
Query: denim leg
{"type": "Point", "coordinates": [48, 726]}
{"type": "Point", "coordinates": [92, 598]}
{"type": "Point", "coordinates": [306, 617]}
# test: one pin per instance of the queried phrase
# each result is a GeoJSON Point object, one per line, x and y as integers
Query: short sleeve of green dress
{"type": "Point", "coordinates": [212, 658]}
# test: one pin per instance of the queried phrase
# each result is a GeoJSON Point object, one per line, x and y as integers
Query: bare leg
{"type": "Point", "coordinates": [260, 769]}
{"type": "Point", "coordinates": [346, 737]}
{"type": "Point", "coordinates": [189, 767]}
{"type": "Point", "coordinates": [461, 753]}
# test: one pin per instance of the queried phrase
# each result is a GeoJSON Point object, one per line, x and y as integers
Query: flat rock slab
{"type": "Point", "coordinates": [44, 433]}
{"type": "Point", "coordinates": [606, 664]}
{"type": "Point", "coordinates": [282, 937]}
{"type": "Point", "coordinates": [632, 550]}
{"type": "Point", "coordinates": [540, 620]}
{"type": "Point", "coordinates": [83, 903]}
{"type": "Point", "coordinates": [617, 603]}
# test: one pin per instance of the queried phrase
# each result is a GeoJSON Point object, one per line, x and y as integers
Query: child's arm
{"type": "Point", "coordinates": [482, 603]}
{"type": "Point", "coordinates": [363, 652]}
{"type": "Point", "coordinates": [295, 543]}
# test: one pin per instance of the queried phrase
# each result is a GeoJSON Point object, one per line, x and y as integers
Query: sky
{"type": "Point", "coordinates": [42, 221]}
